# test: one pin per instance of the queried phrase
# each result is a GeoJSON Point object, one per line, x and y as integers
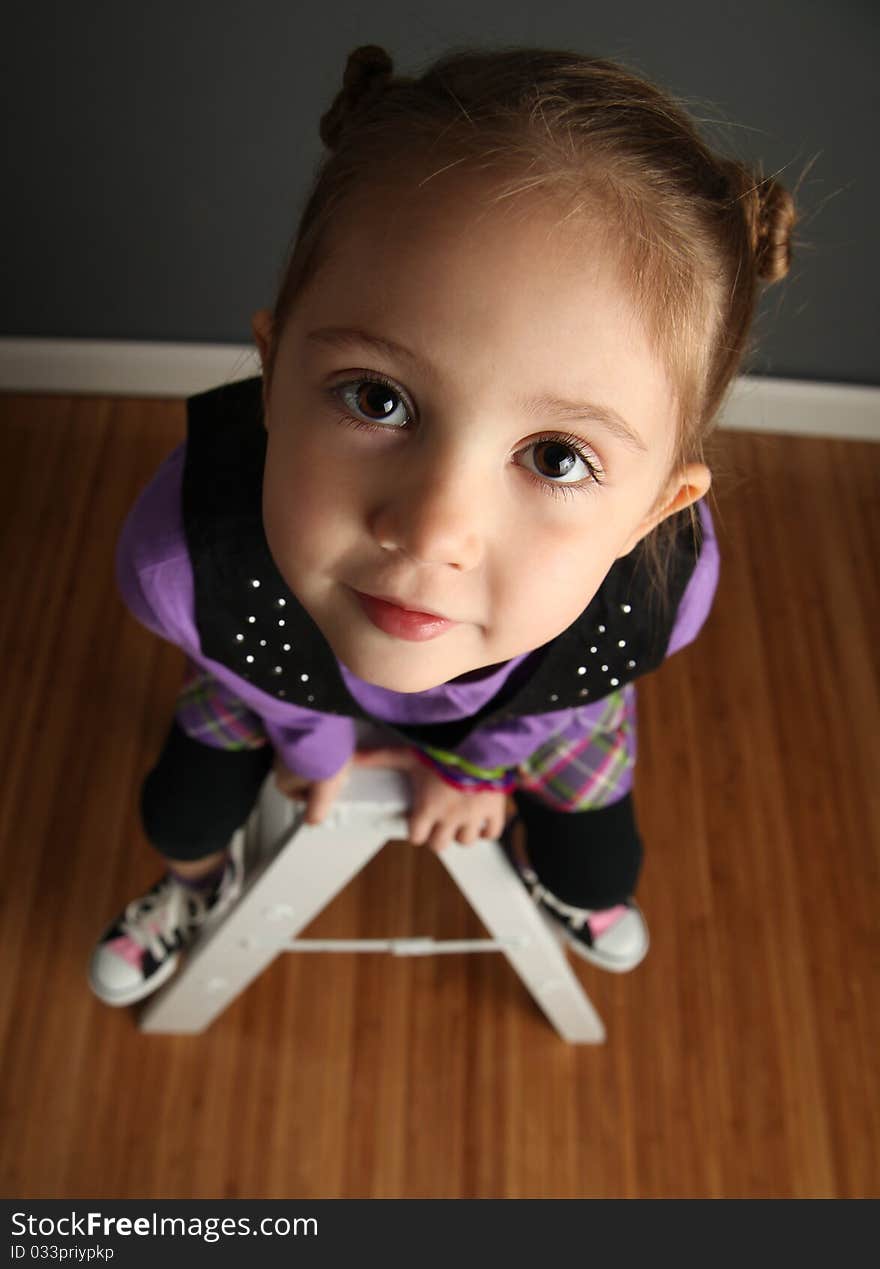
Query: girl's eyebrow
{"type": "Point", "coordinates": [345, 336]}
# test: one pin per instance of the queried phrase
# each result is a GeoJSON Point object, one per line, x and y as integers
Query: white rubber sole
{"type": "Point", "coordinates": [131, 995]}
{"type": "Point", "coordinates": [621, 964]}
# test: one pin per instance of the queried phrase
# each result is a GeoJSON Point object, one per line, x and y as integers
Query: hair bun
{"type": "Point", "coordinates": [367, 74]}
{"type": "Point", "coordinates": [770, 215]}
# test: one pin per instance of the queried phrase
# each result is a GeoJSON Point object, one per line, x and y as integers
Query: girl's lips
{"type": "Point", "coordinates": [402, 623]}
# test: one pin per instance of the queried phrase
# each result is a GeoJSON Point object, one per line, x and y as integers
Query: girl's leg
{"type": "Point", "coordinates": [192, 802]}
{"type": "Point", "coordinates": [577, 842]}
{"type": "Point", "coordinates": [197, 795]}
{"type": "Point", "coordinates": [589, 859]}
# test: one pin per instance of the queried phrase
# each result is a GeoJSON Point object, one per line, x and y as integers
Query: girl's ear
{"type": "Point", "coordinates": [688, 485]}
{"type": "Point", "coordinates": [261, 325]}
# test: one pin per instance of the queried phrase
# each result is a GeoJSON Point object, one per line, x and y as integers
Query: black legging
{"type": "Point", "coordinates": [196, 796]}
{"type": "Point", "coordinates": [590, 859]}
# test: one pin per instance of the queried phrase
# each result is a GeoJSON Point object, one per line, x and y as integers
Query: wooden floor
{"type": "Point", "coordinates": [743, 1055]}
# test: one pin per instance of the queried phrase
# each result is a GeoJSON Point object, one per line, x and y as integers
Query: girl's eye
{"type": "Point", "coordinates": [563, 462]}
{"type": "Point", "coordinates": [560, 466]}
{"type": "Point", "coordinates": [372, 401]}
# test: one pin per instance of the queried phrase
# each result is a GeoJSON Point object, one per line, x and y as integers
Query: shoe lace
{"type": "Point", "coordinates": [576, 918]}
{"type": "Point", "coordinates": [160, 920]}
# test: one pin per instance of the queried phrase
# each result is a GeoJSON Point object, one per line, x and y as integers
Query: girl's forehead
{"type": "Point", "coordinates": [451, 239]}
{"type": "Point", "coordinates": [457, 211]}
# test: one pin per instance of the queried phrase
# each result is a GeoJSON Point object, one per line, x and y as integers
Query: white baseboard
{"type": "Point", "coordinates": [838, 411]}
{"type": "Point", "coordinates": [120, 369]}
{"type": "Point", "coordinates": [116, 368]}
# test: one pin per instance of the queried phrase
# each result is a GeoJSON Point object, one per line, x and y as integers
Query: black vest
{"type": "Point", "coordinates": [266, 637]}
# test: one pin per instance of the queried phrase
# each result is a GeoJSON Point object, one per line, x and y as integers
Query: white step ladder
{"type": "Point", "coordinates": [294, 870]}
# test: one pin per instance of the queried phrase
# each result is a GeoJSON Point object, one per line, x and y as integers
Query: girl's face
{"type": "Point", "coordinates": [419, 444]}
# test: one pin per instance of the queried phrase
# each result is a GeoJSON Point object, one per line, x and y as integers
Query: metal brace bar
{"type": "Point", "coordinates": [406, 947]}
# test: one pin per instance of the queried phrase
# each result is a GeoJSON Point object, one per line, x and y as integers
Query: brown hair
{"type": "Point", "coordinates": [694, 232]}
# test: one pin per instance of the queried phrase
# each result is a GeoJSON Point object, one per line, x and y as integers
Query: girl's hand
{"type": "Point", "coordinates": [319, 795]}
{"type": "Point", "coordinates": [440, 813]}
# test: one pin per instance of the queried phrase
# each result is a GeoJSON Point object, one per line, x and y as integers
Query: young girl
{"type": "Point", "coordinates": [464, 501]}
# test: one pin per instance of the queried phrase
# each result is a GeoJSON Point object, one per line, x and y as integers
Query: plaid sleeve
{"type": "Point", "coordinates": [209, 712]}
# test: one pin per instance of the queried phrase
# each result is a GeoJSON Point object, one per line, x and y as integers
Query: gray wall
{"type": "Point", "coordinates": [158, 152]}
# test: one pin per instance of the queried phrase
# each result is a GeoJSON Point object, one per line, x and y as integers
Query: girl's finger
{"type": "Point", "coordinates": [418, 833]}
{"type": "Point", "coordinates": [440, 838]}
{"type": "Point", "coordinates": [320, 801]}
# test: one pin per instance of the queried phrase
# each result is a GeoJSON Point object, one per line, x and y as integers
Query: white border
{"type": "Point", "coordinates": [116, 368]}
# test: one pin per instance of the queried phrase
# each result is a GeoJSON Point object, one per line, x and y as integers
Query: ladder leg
{"type": "Point", "coordinates": [496, 894]}
{"type": "Point", "coordinates": [280, 897]}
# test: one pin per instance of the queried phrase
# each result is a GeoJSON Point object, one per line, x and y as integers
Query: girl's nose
{"type": "Point", "coordinates": [434, 515]}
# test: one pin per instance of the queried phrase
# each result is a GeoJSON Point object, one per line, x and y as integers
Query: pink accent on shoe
{"type": "Point", "coordinates": [603, 920]}
{"type": "Point", "coordinates": [127, 949]}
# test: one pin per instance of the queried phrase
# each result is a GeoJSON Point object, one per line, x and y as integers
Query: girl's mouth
{"type": "Point", "coordinates": [403, 623]}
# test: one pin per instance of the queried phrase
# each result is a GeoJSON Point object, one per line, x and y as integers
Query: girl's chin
{"type": "Point", "coordinates": [406, 685]}
{"type": "Point", "coordinates": [393, 678]}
